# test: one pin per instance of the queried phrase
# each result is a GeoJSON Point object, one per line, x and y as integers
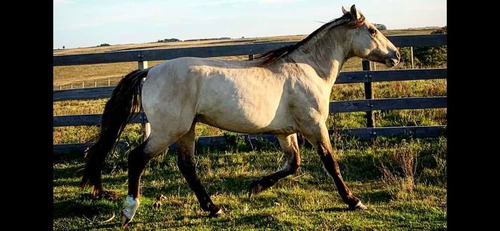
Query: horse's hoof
{"type": "Point", "coordinates": [157, 205]}
{"type": "Point", "coordinates": [219, 213]}
{"type": "Point", "coordinates": [83, 185]}
{"type": "Point", "coordinates": [358, 206]}
{"type": "Point", "coordinates": [97, 191]}
{"type": "Point", "coordinates": [125, 221]}
{"type": "Point", "coordinates": [255, 188]}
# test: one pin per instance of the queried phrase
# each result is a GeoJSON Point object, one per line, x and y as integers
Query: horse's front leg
{"type": "Point", "coordinates": [290, 147]}
{"type": "Point", "coordinates": [317, 134]}
{"type": "Point", "coordinates": [186, 164]}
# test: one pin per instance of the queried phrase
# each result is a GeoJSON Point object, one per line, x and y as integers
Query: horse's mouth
{"type": "Point", "coordinates": [391, 62]}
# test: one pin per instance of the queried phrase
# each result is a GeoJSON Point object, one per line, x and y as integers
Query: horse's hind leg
{"type": "Point", "coordinates": [290, 147]}
{"type": "Point", "coordinates": [186, 164]}
{"type": "Point", "coordinates": [137, 161]}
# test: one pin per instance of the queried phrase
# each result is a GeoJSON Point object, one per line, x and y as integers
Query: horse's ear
{"type": "Point", "coordinates": [355, 13]}
{"type": "Point", "coordinates": [344, 11]}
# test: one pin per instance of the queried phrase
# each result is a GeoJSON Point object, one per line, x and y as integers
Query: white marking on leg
{"type": "Point", "coordinates": [131, 206]}
{"type": "Point", "coordinates": [360, 205]}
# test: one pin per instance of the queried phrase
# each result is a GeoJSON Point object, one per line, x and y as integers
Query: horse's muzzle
{"type": "Point", "coordinates": [393, 61]}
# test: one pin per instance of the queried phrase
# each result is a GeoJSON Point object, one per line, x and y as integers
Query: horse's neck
{"type": "Point", "coordinates": [325, 54]}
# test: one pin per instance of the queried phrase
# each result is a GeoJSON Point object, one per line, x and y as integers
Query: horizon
{"type": "Point", "coordinates": [90, 23]}
{"type": "Point", "coordinates": [215, 38]}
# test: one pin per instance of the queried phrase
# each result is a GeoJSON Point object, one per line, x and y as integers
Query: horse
{"type": "Point", "coordinates": [282, 92]}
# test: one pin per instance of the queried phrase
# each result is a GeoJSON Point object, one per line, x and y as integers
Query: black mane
{"type": "Point", "coordinates": [273, 55]}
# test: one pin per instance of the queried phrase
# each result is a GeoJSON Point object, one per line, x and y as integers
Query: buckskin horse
{"type": "Point", "coordinates": [283, 92]}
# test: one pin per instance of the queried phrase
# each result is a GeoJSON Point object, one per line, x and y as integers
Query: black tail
{"type": "Point", "coordinates": [118, 112]}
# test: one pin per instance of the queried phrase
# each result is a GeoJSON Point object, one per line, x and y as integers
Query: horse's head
{"type": "Point", "coordinates": [368, 42]}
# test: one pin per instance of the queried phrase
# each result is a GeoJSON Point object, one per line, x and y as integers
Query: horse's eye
{"type": "Point", "coordinates": [372, 31]}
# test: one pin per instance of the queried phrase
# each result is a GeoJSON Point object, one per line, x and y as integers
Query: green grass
{"type": "Point", "coordinates": [305, 201]}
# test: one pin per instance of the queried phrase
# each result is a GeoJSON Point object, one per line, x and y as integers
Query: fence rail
{"type": "Point", "coordinates": [343, 78]}
{"type": "Point", "coordinates": [335, 107]}
{"type": "Point", "coordinates": [387, 104]}
{"type": "Point", "coordinates": [215, 51]}
{"type": "Point", "coordinates": [360, 133]}
{"type": "Point", "coordinates": [83, 93]}
{"type": "Point", "coordinates": [366, 76]}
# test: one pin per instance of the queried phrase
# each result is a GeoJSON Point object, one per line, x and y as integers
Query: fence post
{"type": "Point", "coordinates": [71, 85]}
{"type": "Point", "coordinates": [142, 64]}
{"type": "Point", "coordinates": [411, 57]}
{"type": "Point", "coordinates": [95, 83]}
{"type": "Point", "coordinates": [370, 117]}
{"type": "Point", "coordinates": [145, 127]}
{"type": "Point", "coordinates": [109, 82]}
{"type": "Point", "coordinates": [83, 84]}
{"type": "Point", "coordinates": [250, 56]}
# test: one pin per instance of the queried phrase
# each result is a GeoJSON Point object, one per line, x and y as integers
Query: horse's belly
{"type": "Point", "coordinates": [249, 110]}
{"type": "Point", "coordinates": [244, 125]}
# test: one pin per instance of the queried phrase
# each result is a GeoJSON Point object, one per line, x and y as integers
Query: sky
{"type": "Point", "coordinates": [85, 23]}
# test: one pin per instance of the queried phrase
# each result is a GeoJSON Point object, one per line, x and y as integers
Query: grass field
{"type": "Point", "coordinates": [157, 45]}
{"type": "Point", "coordinates": [307, 200]}
{"type": "Point", "coordinates": [403, 182]}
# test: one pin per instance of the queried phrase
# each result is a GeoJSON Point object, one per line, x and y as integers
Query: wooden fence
{"type": "Point", "coordinates": [367, 76]}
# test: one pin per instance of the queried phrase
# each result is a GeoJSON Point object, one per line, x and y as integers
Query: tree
{"type": "Point", "coordinates": [168, 40]}
{"type": "Point", "coordinates": [442, 30]}
{"type": "Point", "coordinates": [380, 26]}
{"type": "Point", "coordinates": [426, 56]}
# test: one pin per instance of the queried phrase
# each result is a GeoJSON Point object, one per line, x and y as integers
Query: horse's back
{"type": "Point", "coordinates": [228, 94]}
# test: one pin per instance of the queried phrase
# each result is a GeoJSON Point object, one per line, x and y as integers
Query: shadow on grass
{"type": "Point", "coordinates": [68, 172]}
{"type": "Point", "coordinates": [376, 196]}
{"type": "Point", "coordinates": [260, 221]}
{"type": "Point", "coordinates": [114, 180]}
{"type": "Point", "coordinates": [249, 221]}
{"type": "Point", "coordinates": [234, 185]}
{"type": "Point", "coordinates": [87, 205]}
{"type": "Point", "coordinates": [111, 225]}
{"type": "Point", "coordinates": [253, 221]}
{"type": "Point", "coordinates": [334, 209]}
